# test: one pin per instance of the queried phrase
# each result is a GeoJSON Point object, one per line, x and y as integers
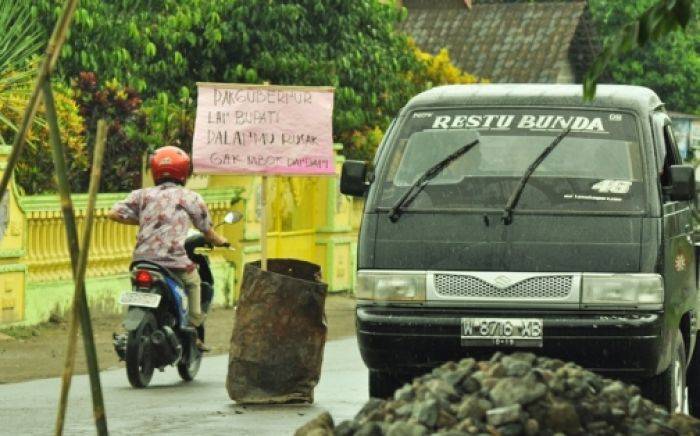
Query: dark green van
{"type": "Point", "coordinates": [519, 217]}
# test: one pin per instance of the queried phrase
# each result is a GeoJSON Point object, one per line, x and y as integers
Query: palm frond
{"type": "Point", "coordinates": [20, 43]}
{"type": "Point", "coordinates": [21, 38]}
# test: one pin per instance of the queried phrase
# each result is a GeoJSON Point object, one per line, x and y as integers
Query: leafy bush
{"type": "Point", "coordinates": [362, 143]}
{"type": "Point", "coordinates": [124, 150]}
{"type": "Point", "coordinates": [170, 122]}
{"type": "Point", "coordinates": [35, 169]}
{"type": "Point", "coordinates": [438, 69]}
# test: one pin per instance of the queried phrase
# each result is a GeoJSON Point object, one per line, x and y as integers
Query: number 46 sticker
{"type": "Point", "coordinates": [612, 186]}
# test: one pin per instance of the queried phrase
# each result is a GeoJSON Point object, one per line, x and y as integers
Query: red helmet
{"type": "Point", "coordinates": [170, 163]}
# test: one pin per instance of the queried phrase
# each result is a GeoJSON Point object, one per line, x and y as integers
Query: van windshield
{"type": "Point", "coordinates": [597, 167]}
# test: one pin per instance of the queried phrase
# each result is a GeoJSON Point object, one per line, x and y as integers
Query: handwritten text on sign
{"type": "Point", "coordinates": [243, 129]}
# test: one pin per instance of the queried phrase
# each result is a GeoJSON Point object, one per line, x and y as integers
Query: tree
{"type": "Point", "coordinates": [161, 48]}
{"type": "Point", "coordinates": [169, 45]}
{"type": "Point", "coordinates": [435, 70]}
{"type": "Point", "coordinates": [645, 45]}
{"type": "Point", "coordinates": [670, 65]}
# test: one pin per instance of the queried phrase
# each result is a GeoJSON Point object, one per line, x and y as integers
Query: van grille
{"type": "Point", "coordinates": [547, 287]}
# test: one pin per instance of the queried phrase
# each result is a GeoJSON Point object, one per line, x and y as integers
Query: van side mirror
{"type": "Point", "coordinates": [233, 217]}
{"type": "Point", "coordinates": [353, 178]}
{"type": "Point", "coordinates": [682, 179]}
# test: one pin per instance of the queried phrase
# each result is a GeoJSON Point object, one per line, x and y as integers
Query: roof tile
{"type": "Point", "coordinates": [511, 42]}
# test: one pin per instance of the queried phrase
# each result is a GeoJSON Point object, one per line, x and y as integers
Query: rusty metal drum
{"type": "Point", "coordinates": [279, 334]}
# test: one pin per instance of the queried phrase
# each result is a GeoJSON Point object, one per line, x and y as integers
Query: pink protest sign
{"type": "Point", "coordinates": [258, 129]}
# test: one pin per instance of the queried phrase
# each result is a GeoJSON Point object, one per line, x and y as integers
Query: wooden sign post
{"type": "Point", "coordinates": [263, 225]}
{"type": "Point", "coordinates": [263, 130]}
{"type": "Point", "coordinates": [263, 218]}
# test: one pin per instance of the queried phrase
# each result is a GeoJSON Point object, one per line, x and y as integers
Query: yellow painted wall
{"type": "Point", "coordinates": [308, 219]}
{"type": "Point", "coordinates": [12, 270]}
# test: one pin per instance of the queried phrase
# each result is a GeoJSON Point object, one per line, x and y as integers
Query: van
{"type": "Point", "coordinates": [522, 218]}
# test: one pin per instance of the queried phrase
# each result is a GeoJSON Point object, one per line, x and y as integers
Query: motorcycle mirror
{"type": "Point", "coordinates": [233, 217]}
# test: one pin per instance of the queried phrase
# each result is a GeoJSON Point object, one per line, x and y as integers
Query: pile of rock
{"type": "Point", "coordinates": [517, 394]}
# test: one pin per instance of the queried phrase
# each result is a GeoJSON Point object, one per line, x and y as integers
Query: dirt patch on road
{"type": "Point", "coordinates": [39, 352]}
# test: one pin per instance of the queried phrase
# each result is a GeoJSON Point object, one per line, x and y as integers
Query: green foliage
{"type": "Point", "coordinates": [20, 38]}
{"type": "Point", "coordinates": [644, 45]}
{"type": "Point", "coordinates": [125, 147]}
{"type": "Point", "coordinates": [20, 44]}
{"type": "Point", "coordinates": [438, 69]}
{"type": "Point", "coordinates": [34, 172]}
{"type": "Point", "coordinates": [166, 45]}
{"type": "Point", "coordinates": [363, 142]}
{"type": "Point", "coordinates": [434, 70]}
{"type": "Point", "coordinates": [170, 122]}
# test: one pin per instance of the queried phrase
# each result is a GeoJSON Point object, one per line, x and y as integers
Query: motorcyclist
{"type": "Point", "coordinates": [164, 214]}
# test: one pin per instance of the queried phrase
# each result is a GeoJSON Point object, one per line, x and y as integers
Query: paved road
{"type": "Point", "coordinates": [172, 407]}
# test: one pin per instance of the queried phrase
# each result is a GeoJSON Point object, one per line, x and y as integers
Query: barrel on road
{"type": "Point", "coordinates": [279, 334]}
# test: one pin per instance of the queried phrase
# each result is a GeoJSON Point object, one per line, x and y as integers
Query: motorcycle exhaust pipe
{"type": "Point", "coordinates": [175, 343]}
{"type": "Point", "coordinates": [163, 352]}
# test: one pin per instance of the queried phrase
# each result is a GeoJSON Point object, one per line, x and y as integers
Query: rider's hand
{"type": "Point", "coordinates": [215, 239]}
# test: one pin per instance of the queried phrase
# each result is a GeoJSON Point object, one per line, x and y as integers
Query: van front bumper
{"type": "Point", "coordinates": [414, 339]}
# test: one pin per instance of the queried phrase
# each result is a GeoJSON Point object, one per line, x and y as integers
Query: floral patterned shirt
{"type": "Point", "coordinates": [165, 213]}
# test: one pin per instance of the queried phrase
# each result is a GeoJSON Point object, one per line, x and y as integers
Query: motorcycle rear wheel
{"type": "Point", "coordinates": [139, 353]}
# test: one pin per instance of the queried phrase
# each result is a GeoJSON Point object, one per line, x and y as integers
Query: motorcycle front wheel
{"type": "Point", "coordinates": [139, 352]}
{"type": "Point", "coordinates": [188, 368]}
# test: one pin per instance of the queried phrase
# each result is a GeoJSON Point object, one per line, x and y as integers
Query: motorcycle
{"type": "Point", "coordinates": [156, 321]}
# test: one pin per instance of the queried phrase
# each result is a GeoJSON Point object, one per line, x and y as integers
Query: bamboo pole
{"type": "Point", "coordinates": [53, 49]}
{"type": "Point", "coordinates": [81, 311]}
{"type": "Point", "coordinates": [95, 177]}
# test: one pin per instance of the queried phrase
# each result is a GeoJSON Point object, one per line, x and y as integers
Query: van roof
{"type": "Point", "coordinates": [637, 98]}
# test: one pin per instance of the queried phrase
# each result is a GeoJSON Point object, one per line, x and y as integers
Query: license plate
{"type": "Point", "coordinates": [508, 332]}
{"type": "Point", "coordinates": [141, 299]}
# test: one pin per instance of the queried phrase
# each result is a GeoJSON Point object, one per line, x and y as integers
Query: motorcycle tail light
{"type": "Point", "coordinates": [143, 278]}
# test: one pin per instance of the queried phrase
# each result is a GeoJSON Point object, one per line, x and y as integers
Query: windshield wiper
{"type": "Point", "coordinates": [507, 217]}
{"type": "Point", "coordinates": [417, 186]}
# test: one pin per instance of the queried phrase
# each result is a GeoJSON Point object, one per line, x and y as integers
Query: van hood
{"type": "Point", "coordinates": [532, 243]}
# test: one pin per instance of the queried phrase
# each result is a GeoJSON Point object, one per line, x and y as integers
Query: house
{"type": "Point", "coordinates": [552, 42]}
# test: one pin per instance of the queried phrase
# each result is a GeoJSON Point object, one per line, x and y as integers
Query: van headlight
{"type": "Point", "coordinates": [390, 286]}
{"type": "Point", "coordinates": [641, 291]}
